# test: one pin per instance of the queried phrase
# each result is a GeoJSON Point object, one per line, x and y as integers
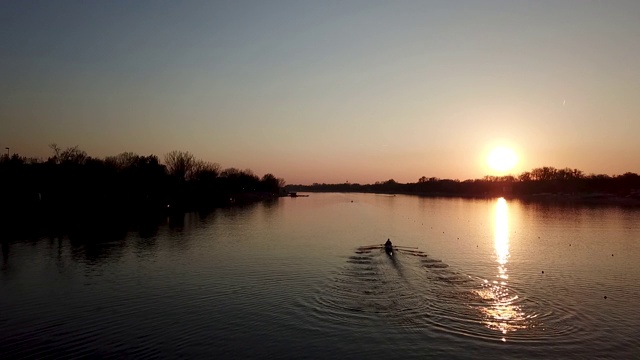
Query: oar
{"type": "Point", "coordinates": [405, 247]}
{"type": "Point", "coordinates": [370, 246]}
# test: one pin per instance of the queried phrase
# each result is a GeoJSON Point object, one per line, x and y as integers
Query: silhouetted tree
{"type": "Point", "coordinates": [537, 181]}
{"type": "Point", "coordinates": [123, 160]}
{"type": "Point", "coordinates": [72, 187]}
{"type": "Point", "coordinates": [525, 176]}
{"type": "Point", "coordinates": [71, 155]}
{"type": "Point", "coordinates": [180, 164]}
{"type": "Point", "coordinates": [270, 183]}
{"type": "Point", "coordinates": [205, 171]}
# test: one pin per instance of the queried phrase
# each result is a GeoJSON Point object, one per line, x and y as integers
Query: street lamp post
{"type": "Point", "coordinates": [7, 152]}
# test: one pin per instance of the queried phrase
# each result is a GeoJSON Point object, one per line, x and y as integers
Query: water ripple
{"type": "Point", "coordinates": [418, 293]}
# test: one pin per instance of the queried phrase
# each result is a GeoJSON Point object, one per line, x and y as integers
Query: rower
{"type": "Point", "coordinates": [388, 247]}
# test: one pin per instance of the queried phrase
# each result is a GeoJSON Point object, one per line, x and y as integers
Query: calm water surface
{"type": "Point", "coordinates": [306, 278]}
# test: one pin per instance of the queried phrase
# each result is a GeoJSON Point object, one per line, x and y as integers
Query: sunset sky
{"type": "Point", "coordinates": [328, 91]}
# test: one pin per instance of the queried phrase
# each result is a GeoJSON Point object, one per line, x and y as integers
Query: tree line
{"type": "Point", "coordinates": [539, 181]}
{"type": "Point", "coordinates": [71, 185]}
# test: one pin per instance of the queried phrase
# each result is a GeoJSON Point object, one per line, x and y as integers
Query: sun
{"type": "Point", "coordinates": [502, 159]}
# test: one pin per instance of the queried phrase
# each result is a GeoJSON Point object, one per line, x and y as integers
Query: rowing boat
{"type": "Point", "coordinates": [388, 248]}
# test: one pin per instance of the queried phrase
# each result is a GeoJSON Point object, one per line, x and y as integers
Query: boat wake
{"type": "Point", "coordinates": [415, 292]}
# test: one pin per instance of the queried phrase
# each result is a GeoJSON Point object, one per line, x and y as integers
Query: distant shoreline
{"type": "Point", "coordinates": [549, 198]}
{"type": "Point", "coordinates": [547, 185]}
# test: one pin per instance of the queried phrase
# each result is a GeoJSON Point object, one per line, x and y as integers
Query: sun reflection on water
{"type": "Point", "coordinates": [500, 311]}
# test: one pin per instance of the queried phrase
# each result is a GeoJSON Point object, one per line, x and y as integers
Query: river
{"type": "Point", "coordinates": [306, 278]}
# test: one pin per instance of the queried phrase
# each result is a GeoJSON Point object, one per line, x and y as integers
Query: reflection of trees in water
{"type": "Point", "coordinates": [56, 246]}
{"type": "Point", "coordinates": [94, 239]}
{"type": "Point", "coordinates": [176, 221]}
{"type": "Point", "coordinates": [269, 210]}
{"type": "Point", "coordinates": [5, 254]}
{"type": "Point", "coordinates": [95, 246]}
{"type": "Point", "coordinates": [270, 203]}
{"type": "Point", "coordinates": [148, 229]}
{"type": "Point", "coordinates": [145, 247]}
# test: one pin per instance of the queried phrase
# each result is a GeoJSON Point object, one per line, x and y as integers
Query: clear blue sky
{"type": "Point", "coordinates": [327, 91]}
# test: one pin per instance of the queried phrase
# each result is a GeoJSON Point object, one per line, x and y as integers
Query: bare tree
{"type": "Point", "coordinates": [525, 176]}
{"type": "Point", "coordinates": [122, 160]}
{"type": "Point", "coordinates": [56, 153]}
{"type": "Point", "coordinates": [180, 164]}
{"type": "Point", "coordinates": [230, 172]}
{"type": "Point", "coordinates": [74, 155]}
{"type": "Point", "coordinates": [69, 155]}
{"type": "Point", "coordinates": [205, 170]}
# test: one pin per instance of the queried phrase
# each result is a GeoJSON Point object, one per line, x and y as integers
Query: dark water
{"type": "Point", "coordinates": [303, 278]}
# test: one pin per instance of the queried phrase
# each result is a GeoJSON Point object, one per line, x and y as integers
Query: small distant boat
{"type": "Point", "coordinates": [388, 248]}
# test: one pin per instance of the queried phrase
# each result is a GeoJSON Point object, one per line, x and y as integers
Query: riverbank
{"type": "Point", "coordinates": [558, 198]}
